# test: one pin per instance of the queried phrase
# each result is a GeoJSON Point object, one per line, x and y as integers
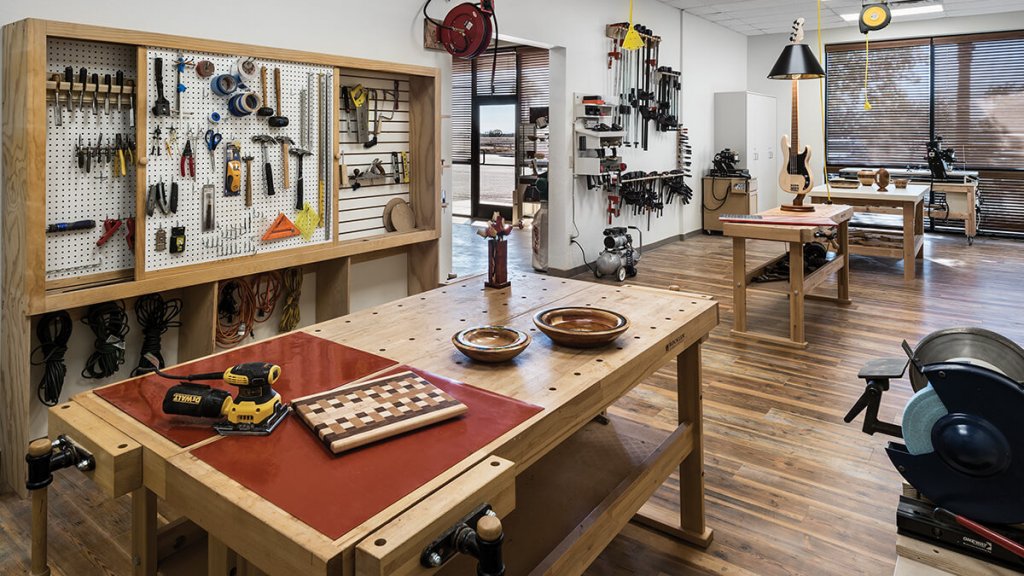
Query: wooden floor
{"type": "Point", "coordinates": [791, 489]}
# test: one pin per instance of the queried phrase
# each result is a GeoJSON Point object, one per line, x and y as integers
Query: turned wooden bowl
{"type": "Point", "coordinates": [866, 177]}
{"type": "Point", "coordinates": [581, 327]}
{"type": "Point", "coordinates": [901, 182]}
{"type": "Point", "coordinates": [491, 343]}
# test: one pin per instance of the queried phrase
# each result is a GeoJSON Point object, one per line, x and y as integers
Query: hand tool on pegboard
{"type": "Point", "coordinates": [256, 410]}
{"type": "Point", "coordinates": [233, 168]}
{"type": "Point", "coordinates": [95, 85]}
{"type": "Point", "coordinates": [285, 142]}
{"type": "Point", "coordinates": [162, 107]}
{"type": "Point", "coordinates": [277, 120]}
{"type": "Point", "coordinates": [119, 80]}
{"type": "Point", "coordinates": [58, 113]}
{"type": "Point", "coordinates": [83, 78]}
{"type": "Point", "coordinates": [187, 166]}
{"type": "Point", "coordinates": [212, 139]}
{"type": "Point", "coordinates": [322, 199]}
{"type": "Point", "coordinates": [268, 171]}
{"type": "Point", "coordinates": [248, 180]}
{"type": "Point", "coordinates": [301, 154]}
{"type": "Point", "coordinates": [131, 103]}
{"type": "Point", "coordinates": [357, 96]}
{"type": "Point", "coordinates": [264, 110]}
{"type": "Point", "coordinates": [108, 84]}
{"type": "Point", "coordinates": [69, 78]}
{"type": "Point", "coordinates": [180, 65]}
{"type": "Point", "coordinates": [70, 226]}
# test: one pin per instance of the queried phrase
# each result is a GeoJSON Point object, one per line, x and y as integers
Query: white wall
{"type": "Point", "coordinates": [714, 60]}
{"type": "Point", "coordinates": [762, 52]}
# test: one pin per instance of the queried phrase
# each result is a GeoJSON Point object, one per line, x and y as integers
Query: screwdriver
{"type": "Point", "coordinates": [106, 97]}
{"type": "Point", "coordinates": [69, 77]}
{"type": "Point", "coordinates": [83, 77]}
{"type": "Point", "coordinates": [70, 226]}
{"type": "Point", "coordinates": [95, 91]}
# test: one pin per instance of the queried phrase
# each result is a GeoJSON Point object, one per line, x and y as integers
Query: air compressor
{"type": "Point", "coordinates": [619, 258]}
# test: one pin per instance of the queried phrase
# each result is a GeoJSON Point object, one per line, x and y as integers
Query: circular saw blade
{"type": "Point", "coordinates": [971, 345]}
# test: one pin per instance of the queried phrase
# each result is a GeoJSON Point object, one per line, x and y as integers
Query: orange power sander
{"type": "Point", "coordinates": [255, 411]}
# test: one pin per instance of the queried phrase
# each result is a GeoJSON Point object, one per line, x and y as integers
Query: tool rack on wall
{"type": "Point", "coordinates": [43, 185]}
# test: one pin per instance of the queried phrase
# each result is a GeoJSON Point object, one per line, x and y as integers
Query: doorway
{"type": "Point", "coordinates": [494, 147]}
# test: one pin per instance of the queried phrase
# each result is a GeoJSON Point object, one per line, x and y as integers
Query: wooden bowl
{"type": "Point", "coordinates": [491, 343]}
{"type": "Point", "coordinates": [900, 182]}
{"type": "Point", "coordinates": [866, 177]}
{"type": "Point", "coordinates": [581, 327]}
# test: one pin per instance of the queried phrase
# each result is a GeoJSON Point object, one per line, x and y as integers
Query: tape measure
{"type": "Point", "coordinates": [874, 17]}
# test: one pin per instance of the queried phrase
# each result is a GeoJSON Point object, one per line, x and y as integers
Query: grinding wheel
{"type": "Point", "coordinates": [971, 345]}
{"type": "Point", "coordinates": [924, 409]}
{"type": "Point", "coordinates": [388, 209]}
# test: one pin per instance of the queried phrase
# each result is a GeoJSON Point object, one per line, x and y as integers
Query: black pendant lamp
{"type": "Point", "coordinates": [796, 62]}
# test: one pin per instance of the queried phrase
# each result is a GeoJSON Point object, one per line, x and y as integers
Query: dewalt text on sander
{"type": "Point", "coordinates": [256, 410]}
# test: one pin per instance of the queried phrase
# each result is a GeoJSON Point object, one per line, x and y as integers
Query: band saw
{"type": "Point", "coordinates": [963, 445]}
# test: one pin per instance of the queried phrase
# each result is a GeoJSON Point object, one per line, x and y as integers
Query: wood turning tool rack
{"type": "Point", "coordinates": [26, 292]}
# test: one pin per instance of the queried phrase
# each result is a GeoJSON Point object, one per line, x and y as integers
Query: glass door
{"type": "Point", "coordinates": [494, 155]}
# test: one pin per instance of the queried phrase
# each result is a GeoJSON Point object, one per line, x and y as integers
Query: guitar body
{"type": "Point", "coordinates": [796, 176]}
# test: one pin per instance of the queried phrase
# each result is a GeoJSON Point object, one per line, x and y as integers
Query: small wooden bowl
{"type": "Point", "coordinates": [900, 182]}
{"type": "Point", "coordinates": [581, 327]}
{"type": "Point", "coordinates": [491, 343]}
{"type": "Point", "coordinates": [866, 177]}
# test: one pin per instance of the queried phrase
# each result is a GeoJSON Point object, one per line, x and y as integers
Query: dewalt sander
{"type": "Point", "coordinates": [255, 411]}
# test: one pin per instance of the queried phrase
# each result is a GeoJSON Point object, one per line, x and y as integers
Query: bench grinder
{"type": "Point", "coordinates": [963, 443]}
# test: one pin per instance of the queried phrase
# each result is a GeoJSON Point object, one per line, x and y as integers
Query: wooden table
{"type": "Point", "coordinates": [558, 508]}
{"type": "Point", "coordinates": [799, 285]}
{"type": "Point", "coordinates": [908, 202]}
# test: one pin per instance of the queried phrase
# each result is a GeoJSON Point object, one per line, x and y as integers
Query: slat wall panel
{"type": "Point", "coordinates": [360, 211]}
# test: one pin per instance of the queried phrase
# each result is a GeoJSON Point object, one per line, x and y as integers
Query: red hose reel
{"type": "Point", "coordinates": [467, 29]}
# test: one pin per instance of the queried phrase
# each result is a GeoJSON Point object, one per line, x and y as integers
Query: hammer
{"type": "Point", "coordinates": [268, 173]}
{"type": "Point", "coordinates": [277, 120]}
{"type": "Point", "coordinates": [248, 180]}
{"type": "Point", "coordinates": [301, 153]}
{"type": "Point", "coordinates": [285, 143]}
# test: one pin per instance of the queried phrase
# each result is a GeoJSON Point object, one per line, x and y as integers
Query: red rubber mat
{"type": "Point", "coordinates": [334, 494]}
{"type": "Point", "coordinates": [309, 364]}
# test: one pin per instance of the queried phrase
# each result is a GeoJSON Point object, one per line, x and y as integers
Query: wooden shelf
{"type": "Point", "coordinates": [610, 469]}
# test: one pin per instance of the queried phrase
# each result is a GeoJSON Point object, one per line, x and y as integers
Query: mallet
{"type": "Point", "coordinates": [264, 110]}
{"type": "Point", "coordinates": [277, 120]}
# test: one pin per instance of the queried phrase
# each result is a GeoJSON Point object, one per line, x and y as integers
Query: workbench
{"type": "Point", "coordinates": [563, 482]}
{"type": "Point", "coordinates": [799, 285]}
{"type": "Point", "coordinates": [908, 202]}
{"type": "Point", "coordinates": [960, 190]}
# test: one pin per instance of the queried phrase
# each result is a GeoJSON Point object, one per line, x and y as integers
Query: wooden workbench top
{"type": "Point", "coordinates": [912, 193]}
{"type": "Point", "coordinates": [570, 384]}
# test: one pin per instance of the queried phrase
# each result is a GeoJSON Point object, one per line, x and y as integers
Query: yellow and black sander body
{"type": "Point", "coordinates": [256, 410]}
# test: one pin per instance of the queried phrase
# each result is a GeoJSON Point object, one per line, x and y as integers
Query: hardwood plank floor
{"type": "Point", "coordinates": [791, 489]}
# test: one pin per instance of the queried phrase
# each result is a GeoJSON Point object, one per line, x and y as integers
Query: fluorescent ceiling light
{"type": "Point", "coordinates": [913, 11]}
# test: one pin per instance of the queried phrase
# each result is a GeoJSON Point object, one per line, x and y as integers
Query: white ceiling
{"type": "Point", "coordinates": [754, 17]}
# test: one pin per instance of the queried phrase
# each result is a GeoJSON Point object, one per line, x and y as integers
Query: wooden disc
{"type": "Point", "coordinates": [388, 208]}
{"type": "Point", "coordinates": [402, 218]}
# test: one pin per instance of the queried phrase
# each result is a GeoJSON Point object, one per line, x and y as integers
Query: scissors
{"type": "Point", "coordinates": [212, 141]}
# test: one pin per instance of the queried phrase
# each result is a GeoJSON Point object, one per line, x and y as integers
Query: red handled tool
{"type": "Point", "coordinates": [110, 226]}
{"type": "Point", "coordinates": [187, 159]}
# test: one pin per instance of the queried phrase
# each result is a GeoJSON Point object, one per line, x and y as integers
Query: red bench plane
{"type": "Point", "coordinates": [963, 444]}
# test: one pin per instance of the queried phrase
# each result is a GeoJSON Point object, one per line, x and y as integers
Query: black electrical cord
{"type": "Point", "coordinates": [109, 323]}
{"type": "Point", "coordinates": [585, 263]}
{"type": "Point", "coordinates": [155, 316]}
{"type": "Point", "coordinates": [494, 55]}
{"type": "Point", "coordinates": [53, 332]}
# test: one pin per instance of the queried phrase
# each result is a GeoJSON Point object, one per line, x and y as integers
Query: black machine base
{"type": "Point", "coordinates": [915, 518]}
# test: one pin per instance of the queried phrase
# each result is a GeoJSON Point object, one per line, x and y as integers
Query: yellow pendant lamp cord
{"type": "Point", "coordinates": [867, 104]}
{"type": "Point", "coordinates": [821, 104]}
{"type": "Point", "coordinates": [632, 40]}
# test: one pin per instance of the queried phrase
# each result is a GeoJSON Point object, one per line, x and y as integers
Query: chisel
{"type": "Point", "coordinates": [83, 77]}
{"type": "Point", "coordinates": [106, 95]}
{"type": "Point", "coordinates": [58, 116]}
{"type": "Point", "coordinates": [69, 77]}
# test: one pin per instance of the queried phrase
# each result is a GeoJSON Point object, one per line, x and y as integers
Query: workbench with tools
{"type": "Point", "coordinates": [284, 504]}
{"type": "Point", "coordinates": [128, 172]}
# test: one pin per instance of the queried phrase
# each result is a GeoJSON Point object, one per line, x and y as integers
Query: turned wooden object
{"type": "Point", "coordinates": [36, 449]}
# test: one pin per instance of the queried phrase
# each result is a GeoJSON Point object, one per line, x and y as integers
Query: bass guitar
{"type": "Point", "coordinates": [796, 176]}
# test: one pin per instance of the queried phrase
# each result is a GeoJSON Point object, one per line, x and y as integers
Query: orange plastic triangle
{"type": "Point", "coordinates": [281, 228]}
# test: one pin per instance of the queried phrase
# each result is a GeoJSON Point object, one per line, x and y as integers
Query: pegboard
{"type": "Point", "coordinates": [239, 229]}
{"type": "Point", "coordinates": [361, 211]}
{"type": "Point", "coordinates": [72, 194]}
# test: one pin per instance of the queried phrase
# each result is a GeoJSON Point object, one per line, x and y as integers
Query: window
{"type": "Point", "coordinates": [969, 89]}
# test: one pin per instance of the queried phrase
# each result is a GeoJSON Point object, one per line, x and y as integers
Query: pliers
{"type": "Point", "coordinates": [186, 155]}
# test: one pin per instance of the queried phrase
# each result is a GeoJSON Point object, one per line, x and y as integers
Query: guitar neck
{"type": "Point", "coordinates": [795, 127]}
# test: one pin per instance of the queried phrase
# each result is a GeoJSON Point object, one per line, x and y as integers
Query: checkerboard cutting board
{"type": "Point", "coordinates": [357, 414]}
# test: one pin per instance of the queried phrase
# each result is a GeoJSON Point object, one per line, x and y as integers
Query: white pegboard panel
{"type": "Point", "coordinates": [360, 211]}
{"type": "Point", "coordinates": [239, 229]}
{"type": "Point", "coordinates": [71, 193]}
